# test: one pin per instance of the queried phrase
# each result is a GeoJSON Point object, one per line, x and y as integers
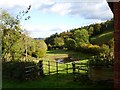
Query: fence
{"type": "Point", "coordinates": [34, 71]}
{"type": "Point", "coordinates": [80, 71]}
{"type": "Point", "coordinates": [55, 67]}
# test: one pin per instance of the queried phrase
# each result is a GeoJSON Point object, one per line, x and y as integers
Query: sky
{"type": "Point", "coordinates": [51, 16]}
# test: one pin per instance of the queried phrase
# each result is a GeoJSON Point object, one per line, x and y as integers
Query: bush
{"type": "Point", "coordinates": [70, 44]}
{"type": "Point", "coordinates": [89, 48]}
{"type": "Point", "coordinates": [40, 49]}
{"type": "Point", "coordinates": [16, 70]}
{"type": "Point", "coordinates": [101, 60]}
{"type": "Point", "coordinates": [49, 47]}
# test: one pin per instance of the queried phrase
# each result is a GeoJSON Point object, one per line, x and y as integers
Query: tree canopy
{"type": "Point", "coordinates": [16, 45]}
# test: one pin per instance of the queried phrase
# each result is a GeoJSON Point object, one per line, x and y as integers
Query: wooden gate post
{"type": "Point", "coordinates": [57, 68]}
{"type": "Point", "coordinates": [67, 69]}
{"type": "Point", "coordinates": [73, 66]}
{"type": "Point", "coordinates": [49, 67]}
{"type": "Point", "coordinates": [40, 63]}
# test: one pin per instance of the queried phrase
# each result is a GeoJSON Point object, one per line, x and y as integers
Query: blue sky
{"type": "Point", "coordinates": [51, 16]}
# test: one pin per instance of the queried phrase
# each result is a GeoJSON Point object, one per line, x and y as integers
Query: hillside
{"type": "Point", "coordinates": [88, 39]}
{"type": "Point", "coordinates": [102, 38]}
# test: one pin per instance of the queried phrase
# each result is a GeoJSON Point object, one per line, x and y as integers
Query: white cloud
{"type": "Point", "coordinates": [98, 11]}
{"type": "Point", "coordinates": [13, 3]}
{"type": "Point", "coordinates": [61, 8]}
{"type": "Point", "coordinates": [88, 10]}
{"type": "Point", "coordinates": [45, 30]}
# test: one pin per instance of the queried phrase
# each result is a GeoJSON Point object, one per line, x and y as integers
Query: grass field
{"type": "Point", "coordinates": [54, 54]}
{"type": "Point", "coordinates": [62, 80]}
{"type": "Point", "coordinates": [52, 81]}
{"type": "Point", "coordinates": [103, 38]}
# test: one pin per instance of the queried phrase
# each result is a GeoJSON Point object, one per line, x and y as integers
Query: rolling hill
{"type": "Point", "coordinates": [103, 38]}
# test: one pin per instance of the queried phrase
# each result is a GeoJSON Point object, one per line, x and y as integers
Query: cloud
{"type": "Point", "coordinates": [7, 4]}
{"type": "Point", "coordinates": [45, 30]}
{"type": "Point", "coordinates": [98, 10]}
{"type": "Point", "coordinates": [18, 5]}
{"type": "Point", "coordinates": [88, 10]}
{"type": "Point", "coordinates": [61, 8]}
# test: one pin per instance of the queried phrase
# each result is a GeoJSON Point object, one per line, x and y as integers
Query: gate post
{"type": "Point", "coordinates": [57, 68]}
{"type": "Point", "coordinates": [40, 64]}
{"type": "Point", "coordinates": [73, 67]}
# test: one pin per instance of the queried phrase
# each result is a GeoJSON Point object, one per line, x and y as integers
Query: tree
{"type": "Point", "coordinates": [81, 36]}
{"type": "Point", "coordinates": [70, 44]}
{"type": "Point", "coordinates": [58, 41]}
{"type": "Point", "coordinates": [90, 30]}
{"type": "Point", "coordinates": [97, 28]}
{"type": "Point", "coordinates": [11, 32]}
{"type": "Point", "coordinates": [40, 49]}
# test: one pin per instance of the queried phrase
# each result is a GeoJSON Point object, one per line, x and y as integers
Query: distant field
{"type": "Point", "coordinates": [53, 54]}
{"type": "Point", "coordinates": [102, 39]}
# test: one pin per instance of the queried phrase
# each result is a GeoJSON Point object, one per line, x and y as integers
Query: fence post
{"type": "Point", "coordinates": [57, 67]}
{"type": "Point", "coordinates": [78, 69]}
{"type": "Point", "coordinates": [40, 64]}
{"type": "Point", "coordinates": [67, 68]}
{"type": "Point", "coordinates": [73, 66]}
{"type": "Point", "coordinates": [49, 67]}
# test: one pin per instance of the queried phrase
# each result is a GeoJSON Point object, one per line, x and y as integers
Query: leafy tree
{"type": "Point", "coordinates": [97, 28]}
{"type": "Point", "coordinates": [40, 49]}
{"type": "Point", "coordinates": [11, 32]}
{"type": "Point", "coordinates": [50, 40]}
{"type": "Point", "coordinates": [58, 41]}
{"type": "Point", "coordinates": [70, 44]}
{"type": "Point", "coordinates": [90, 30]}
{"type": "Point", "coordinates": [81, 36]}
{"type": "Point", "coordinates": [109, 24]}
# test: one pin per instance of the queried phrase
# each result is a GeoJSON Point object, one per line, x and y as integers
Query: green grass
{"type": "Point", "coordinates": [63, 80]}
{"type": "Point", "coordinates": [54, 54]}
{"type": "Point", "coordinates": [103, 38]}
{"type": "Point", "coordinates": [53, 81]}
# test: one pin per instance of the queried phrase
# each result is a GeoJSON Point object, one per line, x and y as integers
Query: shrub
{"type": "Point", "coordinates": [49, 46]}
{"type": "Point", "coordinates": [16, 70]}
{"type": "Point", "coordinates": [89, 48]}
{"type": "Point", "coordinates": [101, 60]}
{"type": "Point", "coordinates": [40, 49]}
{"type": "Point", "coordinates": [70, 44]}
{"type": "Point", "coordinates": [59, 41]}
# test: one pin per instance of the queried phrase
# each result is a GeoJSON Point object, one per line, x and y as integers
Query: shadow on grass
{"type": "Point", "coordinates": [57, 81]}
